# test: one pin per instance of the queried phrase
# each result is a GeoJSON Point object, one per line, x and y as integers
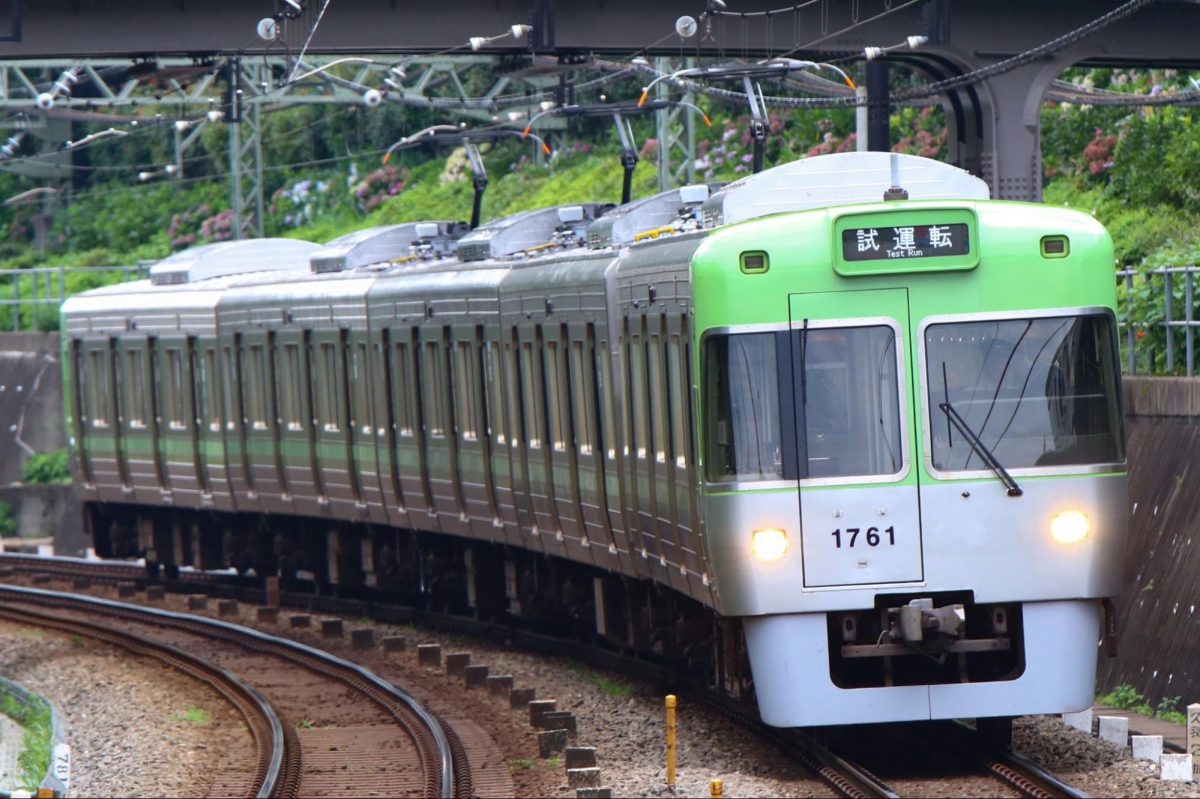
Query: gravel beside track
{"type": "Point", "coordinates": [127, 719]}
{"type": "Point", "coordinates": [623, 719]}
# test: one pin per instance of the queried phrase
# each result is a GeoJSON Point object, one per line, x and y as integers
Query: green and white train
{"type": "Point", "coordinates": [845, 434]}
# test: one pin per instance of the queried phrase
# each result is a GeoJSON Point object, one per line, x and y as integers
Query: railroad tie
{"type": "Point", "coordinates": [519, 698]}
{"type": "Point", "coordinates": [227, 607]}
{"type": "Point", "coordinates": [579, 757]}
{"type": "Point", "coordinates": [539, 708]}
{"type": "Point", "coordinates": [155, 593]}
{"type": "Point", "coordinates": [197, 602]}
{"type": "Point", "coordinates": [363, 638]}
{"type": "Point", "coordinates": [331, 628]}
{"type": "Point", "coordinates": [583, 777]}
{"type": "Point", "coordinates": [560, 720]}
{"type": "Point", "coordinates": [301, 620]}
{"type": "Point", "coordinates": [126, 589]}
{"type": "Point", "coordinates": [475, 676]}
{"type": "Point", "coordinates": [551, 742]}
{"type": "Point", "coordinates": [429, 655]}
{"type": "Point", "coordinates": [267, 614]}
{"type": "Point", "coordinates": [395, 643]}
{"type": "Point", "coordinates": [456, 663]}
{"type": "Point", "coordinates": [499, 685]}
{"type": "Point", "coordinates": [593, 793]}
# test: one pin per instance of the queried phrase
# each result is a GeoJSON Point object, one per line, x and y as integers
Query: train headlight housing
{"type": "Point", "coordinates": [769, 544]}
{"type": "Point", "coordinates": [1070, 527]}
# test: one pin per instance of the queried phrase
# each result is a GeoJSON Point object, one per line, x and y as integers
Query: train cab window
{"type": "Point", "coordinates": [432, 382]}
{"type": "Point", "coordinates": [464, 392]}
{"type": "Point", "coordinates": [582, 400]}
{"type": "Point", "coordinates": [840, 419]}
{"type": "Point", "coordinates": [555, 396]}
{"type": "Point", "coordinates": [135, 397]}
{"type": "Point", "coordinates": [1040, 392]}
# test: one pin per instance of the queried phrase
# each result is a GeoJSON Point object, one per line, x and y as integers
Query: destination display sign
{"type": "Point", "coordinates": [913, 241]}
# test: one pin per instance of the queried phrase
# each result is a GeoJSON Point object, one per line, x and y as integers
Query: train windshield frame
{"type": "Point", "coordinates": [1041, 391]}
{"type": "Point", "coordinates": [847, 404]}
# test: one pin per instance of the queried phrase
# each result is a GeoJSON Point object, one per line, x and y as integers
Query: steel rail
{"type": "Point", "coordinates": [388, 696]}
{"type": "Point", "coordinates": [273, 776]}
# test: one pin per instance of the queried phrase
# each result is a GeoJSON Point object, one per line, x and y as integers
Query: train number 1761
{"type": "Point", "coordinates": [872, 536]}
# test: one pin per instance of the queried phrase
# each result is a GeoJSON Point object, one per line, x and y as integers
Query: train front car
{"type": "Point", "coordinates": [913, 482]}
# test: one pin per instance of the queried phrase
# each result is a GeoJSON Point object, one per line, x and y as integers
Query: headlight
{"type": "Point", "coordinates": [768, 544]}
{"type": "Point", "coordinates": [1070, 527]}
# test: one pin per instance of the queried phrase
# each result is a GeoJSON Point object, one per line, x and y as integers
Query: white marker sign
{"type": "Point", "coordinates": [62, 764]}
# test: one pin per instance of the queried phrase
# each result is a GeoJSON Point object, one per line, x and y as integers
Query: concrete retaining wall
{"type": "Point", "coordinates": [1158, 612]}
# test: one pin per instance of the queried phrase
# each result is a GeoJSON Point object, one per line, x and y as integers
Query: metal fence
{"type": "Point", "coordinates": [1166, 307]}
{"type": "Point", "coordinates": [37, 293]}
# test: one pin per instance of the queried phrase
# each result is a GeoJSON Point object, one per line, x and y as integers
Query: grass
{"type": "Point", "coordinates": [193, 715]}
{"type": "Point", "coordinates": [620, 690]}
{"type": "Point", "coordinates": [34, 760]}
{"type": "Point", "coordinates": [1127, 697]}
{"type": "Point", "coordinates": [520, 764]}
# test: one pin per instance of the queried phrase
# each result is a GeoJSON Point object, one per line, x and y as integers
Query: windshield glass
{"type": "Point", "coordinates": [848, 404]}
{"type": "Point", "coordinates": [1037, 392]}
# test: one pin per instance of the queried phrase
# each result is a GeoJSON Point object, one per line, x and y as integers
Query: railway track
{"type": "Point", "coordinates": [382, 736]}
{"type": "Point", "coordinates": [838, 768]}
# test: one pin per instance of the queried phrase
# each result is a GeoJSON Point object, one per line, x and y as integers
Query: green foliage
{"type": "Point", "coordinates": [48, 467]}
{"type": "Point", "coordinates": [193, 715]}
{"type": "Point", "coordinates": [8, 525]}
{"type": "Point", "coordinates": [1127, 697]}
{"type": "Point", "coordinates": [35, 719]}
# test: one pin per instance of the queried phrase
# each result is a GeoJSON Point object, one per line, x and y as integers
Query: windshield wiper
{"type": "Point", "coordinates": [977, 445]}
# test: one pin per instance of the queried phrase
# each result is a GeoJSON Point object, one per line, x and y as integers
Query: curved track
{"type": "Point", "coordinates": [429, 743]}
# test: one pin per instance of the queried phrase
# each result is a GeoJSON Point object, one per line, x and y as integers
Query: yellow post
{"type": "Point", "coordinates": [716, 789]}
{"type": "Point", "coordinates": [671, 742]}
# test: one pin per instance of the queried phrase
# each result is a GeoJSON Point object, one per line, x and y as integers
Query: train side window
{"type": "Point", "coordinates": [658, 390]}
{"type": "Point", "coordinates": [435, 413]}
{"type": "Point", "coordinates": [530, 400]}
{"type": "Point", "coordinates": [135, 397]}
{"type": "Point", "coordinates": [554, 396]}
{"type": "Point", "coordinates": [402, 388]}
{"type": "Point", "coordinates": [493, 410]}
{"type": "Point", "coordinates": [637, 395]}
{"type": "Point", "coordinates": [327, 412]}
{"type": "Point", "coordinates": [255, 388]}
{"type": "Point", "coordinates": [581, 399]}
{"type": "Point", "coordinates": [99, 385]}
{"type": "Point", "coordinates": [175, 399]}
{"type": "Point", "coordinates": [677, 385]}
{"type": "Point", "coordinates": [208, 412]}
{"type": "Point", "coordinates": [83, 383]}
{"type": "Point", "coordinates": [234, 413]}
{"type": "Point", "coordinates": [464, 393]}
{"type": "Point", "coordinates": [360, 388]}
{"type": "Point", "coordinates": [290, 386]}
{"type": "Point", "coordinates": [512, 392]}
{"type": "Point", "coordinates": [606, 433]}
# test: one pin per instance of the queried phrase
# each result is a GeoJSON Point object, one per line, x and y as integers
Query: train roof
{"type": "Point", "coordinates": [226, 258]}
{"type": "Point", "coordinates": [839, 179]}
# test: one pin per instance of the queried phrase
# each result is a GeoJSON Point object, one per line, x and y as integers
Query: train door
{"type": "Point", "coordinates": [139, 417]}
{"type": "Point", "coordinates": [338, 481]}
{"type": "Point", "coordinates": [77, 394]}
{"type": "Point", "coordinates": [521, 427]}
{"type": "Point", "coordinates": [437, 414]}
{"type": "Point", "coordinates": [853, 417]}
{"type": "Point", "coordinates": [562, 441]}
{"type": "Point", "coordinates": [210, 438]}
{"type": "Point", "coordinates": [384, 399]}
{"type": "Point", "coordinates": [471, 435]}
{"type": "Point", "coordinates": [497, 426]}
{"type": "Point", "coordinates": [101, 421]}
{"type": "Point", "coordinates": [294, 385]}
{"type": "Point", "coordinates": [364, 466]}
{"type": "Point", "coordinates": [591, 493]}
{"type": "Point", "coordinates": [409, 452]}
{"type": "Point", "coordinates": [176, 442]}
{"type": "Point", "coordinates": [681, 459]}
{"type": "Point", "coordinates": [539, 468]}
{"type": "Point", "coordinates": [260, 427]}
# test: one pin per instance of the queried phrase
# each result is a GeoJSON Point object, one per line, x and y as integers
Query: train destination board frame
{"type": "Point", "coordinates": [910, 241]}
